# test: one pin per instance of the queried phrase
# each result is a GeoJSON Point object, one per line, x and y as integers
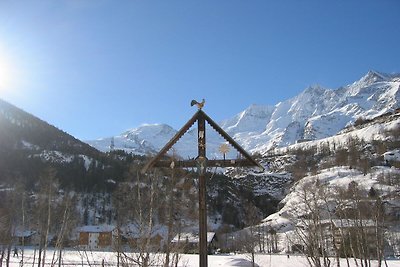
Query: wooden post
{"type": "Point", "coordinates": [201, 162]}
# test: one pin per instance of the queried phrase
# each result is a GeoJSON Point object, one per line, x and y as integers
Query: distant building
{"type": "Point", "coordinates": [299, 141]}
{"type": "Point", "coordinates": [338, 233]}
{"type": "Point", "coordinates": [345, 230]}
{"type": "Point", "coordinates": [393, 155]}
{"type": "Point", "coordinates": [189, 242]}
{"type": "Point", "coordinates": [135, 235]}
{"type": "Point", "coordinates": [26, 238]}
{"type": "Point", "coordinates": [97, 236]}
{"type": "Point", "coordinates": [392, 208]}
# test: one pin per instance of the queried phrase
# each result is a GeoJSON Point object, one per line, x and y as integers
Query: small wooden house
{"type": "Point", "coordinates": [26, 238]}
{"type": "Point", "coordinates": [96, 236]}
{"type": "Point", "coordinates": [344, 229]}
{"type": "Point", "coordinates": [134, 237]}
{"type": "Point", "coordinates": [392, 208]}
{"type": "Point", "coordinates": [189, 242]}
{"type": "Point", "coordinates": [338, 233]}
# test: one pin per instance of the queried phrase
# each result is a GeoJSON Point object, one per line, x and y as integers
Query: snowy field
{"type": "Point", "coordinates": [80, 258]}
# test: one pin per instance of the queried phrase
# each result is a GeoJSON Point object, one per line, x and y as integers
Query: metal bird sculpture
{"type": "Point", "coordinates": [200, 105]}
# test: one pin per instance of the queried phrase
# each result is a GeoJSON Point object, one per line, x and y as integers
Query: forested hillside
{"type": "Point", "coordinates": [30, 146]}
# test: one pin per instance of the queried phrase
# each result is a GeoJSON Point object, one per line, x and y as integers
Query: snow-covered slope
{"type": "Point", "coordinates": [295, 206]}
{"type": "Point", "coordinates": [146, 138]}
{"type": "Point", "coordinates": [374, 131]}
{"type": "Point", "coordinates": [315, 113]}
{"type": "Point", "coordinates": [326, 186]}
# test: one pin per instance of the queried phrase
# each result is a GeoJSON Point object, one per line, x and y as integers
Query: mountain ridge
{"type": "Point", "coordinates": [30, 147]}
{"type": "Point", "coordinates": [315, 113]}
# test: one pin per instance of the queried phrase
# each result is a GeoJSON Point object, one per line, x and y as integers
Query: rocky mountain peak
{"type": "Point", "coordinates": [315, 113]}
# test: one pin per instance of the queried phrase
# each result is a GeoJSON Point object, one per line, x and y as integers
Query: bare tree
{"type": "Point", "coordinates": [379, 221]}
{"type": "Point", "coordinates": [311, 229]}
{"type": "Point", "coordinates": [63, 222]}
{"type": "Point", "coordinates": [170, 213]}
{"type": "Point", "coordinates": [7, 228]}
{"type": "Point", "coordinates": [251, 237]}
{"type": "Point", "coordinates": [136, 204]}
{"type": "Point", "coordinates": [42, 210]}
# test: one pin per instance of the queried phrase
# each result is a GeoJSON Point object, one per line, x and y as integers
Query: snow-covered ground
{"type": "Point", "coordinates": [80, 258]}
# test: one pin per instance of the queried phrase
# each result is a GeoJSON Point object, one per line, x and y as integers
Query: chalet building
{"type": "Point", "coordinates": [135, 241]}
{"type": "Point", "coordinates": [392, 209]}
{"type": "Point", "coordinates": [189, 242]}
{"type": "Point", "coordinates": [134, 237]}
{"type": "Point", "coordinates": [338, 234]}
{"type": "Point", "coordinates": [97, 236]}
{"type": "Point", "coordinates": [343, 229]}
{"type": "Point", "coordinates": [299, 141]}
{"type": "Point", "coordinates": [393, 155]}
{"type": "Point", "coordinates": [26, 238]}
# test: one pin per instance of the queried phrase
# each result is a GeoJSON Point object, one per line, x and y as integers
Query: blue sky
{"type": "Point", "coordinates": [96, 68]}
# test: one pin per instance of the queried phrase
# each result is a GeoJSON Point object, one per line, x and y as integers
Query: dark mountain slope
{"type": "Point", "coordinates": [18, 127]}
{"type": "Point", "coordinates": [29, 146]}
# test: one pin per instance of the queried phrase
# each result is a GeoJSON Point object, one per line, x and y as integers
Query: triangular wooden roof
{"type": "Point", "coordinates": [248, 161]}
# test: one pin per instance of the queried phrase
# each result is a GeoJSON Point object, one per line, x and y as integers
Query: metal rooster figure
{"type": "Point", "coordinates": [200, 105]}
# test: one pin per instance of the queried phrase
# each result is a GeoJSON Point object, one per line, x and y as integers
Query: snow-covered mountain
{"type": "Point", "coordinates": [315, 113]}
{"type": "Point", "coordinates": [147, 138]}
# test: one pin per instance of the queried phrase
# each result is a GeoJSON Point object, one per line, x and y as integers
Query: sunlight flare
{"type": "Point", "coordinates": [8, 73]}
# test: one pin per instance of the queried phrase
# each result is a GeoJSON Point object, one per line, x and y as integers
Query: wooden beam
{"type": "Point", "coordinates": [168, 146]}
{"type": "Point", "coordinates": [210, 163]}
{"type": "Point", "coordinates": [155, 161]}
{"type": "Point", "coordinates": [230, 140]}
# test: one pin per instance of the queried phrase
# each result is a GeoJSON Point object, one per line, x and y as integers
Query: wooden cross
{"type": "Point", "coordinates": [201, 162]}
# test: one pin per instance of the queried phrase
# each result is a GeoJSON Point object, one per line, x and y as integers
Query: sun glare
{"type": "Point", "coordinates": [8, 75]}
